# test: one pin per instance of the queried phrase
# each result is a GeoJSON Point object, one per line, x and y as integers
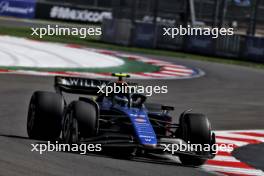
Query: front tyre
{"type": "Point", "coordinates": [196, 129]}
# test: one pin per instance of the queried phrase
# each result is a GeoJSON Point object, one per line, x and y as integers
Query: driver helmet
{"type": "Point", "coordinates": [122, 97]}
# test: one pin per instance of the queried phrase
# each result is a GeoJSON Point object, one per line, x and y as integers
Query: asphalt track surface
{"type": "Point", "coordinates": [231, 96]}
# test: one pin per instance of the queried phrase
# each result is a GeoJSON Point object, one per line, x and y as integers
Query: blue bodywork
{"type": "Point", "coordinates": [139, 119]}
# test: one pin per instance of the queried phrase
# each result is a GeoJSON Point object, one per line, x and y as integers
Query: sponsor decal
{"type": "Point", "coordinates": [150, 19]}
{"type": "Point", "coordinates": [147, 138]}
{"type": "Point", "coordinates": [144, 136]}
{"type": "Point", "coordinates": [67, 13]}
{"type": "Point", "coordinates": [25, 9]}
{"type": "Point", "coordinates": [79, 82]}
{"type": "Point", "coordinates": [140, 120]}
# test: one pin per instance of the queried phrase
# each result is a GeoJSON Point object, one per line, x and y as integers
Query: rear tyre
{"type": "Point", "coordinates": [196, 129]}
{"type": "Point", "coordinates": [44, 116]}
{"type": "Point", "coordinates": [80, 121]}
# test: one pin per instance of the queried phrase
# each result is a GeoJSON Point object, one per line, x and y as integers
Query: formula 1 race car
{"type": "Point", "coordinates": [121, 122]}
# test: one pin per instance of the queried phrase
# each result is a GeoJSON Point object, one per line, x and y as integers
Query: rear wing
{"type": "Point", "coordinates": [77, 85]}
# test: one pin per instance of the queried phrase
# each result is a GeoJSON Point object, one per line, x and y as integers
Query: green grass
{"type": "Point", "coordinates": [95, 43]}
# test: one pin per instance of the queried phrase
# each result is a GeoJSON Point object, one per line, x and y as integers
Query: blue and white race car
{"type": "Point", "coordinates": [124, 123]}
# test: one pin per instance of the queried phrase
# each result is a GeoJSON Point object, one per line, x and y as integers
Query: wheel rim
{"type": "Point", "coordinates": [74, 131]}
{"type": "Point", "coordinates": [66, 128]}
{"type": "Point", "coordinates": [70, 129]}
{"type": "Point", "coordinates": [31, 117]}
